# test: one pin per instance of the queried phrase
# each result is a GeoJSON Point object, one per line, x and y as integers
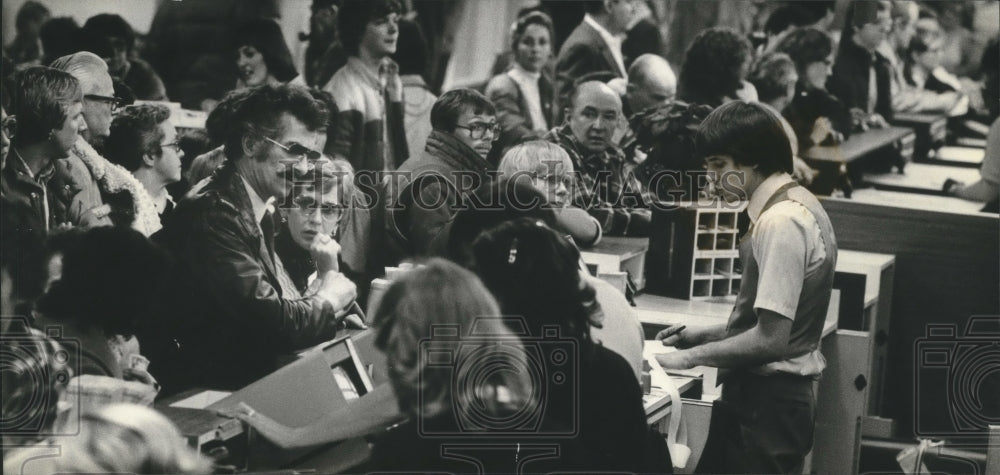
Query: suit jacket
{"type": "Point", "coordinates": [229, 313]}
{"type": "Point", "coordinates": [583, 52]}
{"type": "Point", "coordinates": [512, 111]}
{"type": "Point", "coordinates": [849, 81]}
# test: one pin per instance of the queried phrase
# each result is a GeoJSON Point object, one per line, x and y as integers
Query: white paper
{"type": "Point", "coordinates": [202, 399]}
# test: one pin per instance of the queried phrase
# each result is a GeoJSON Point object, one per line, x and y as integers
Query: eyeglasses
{"type": "Point", "coordinates": [308, 205]}
{"type": "Point", "coordinates": [174, 145]}
{"type": "Point", "coordinates": [114, 102]}
{"type": "Point", "coordinates": [296, 149]}
{"type": "Point", "coordinates": [478, 130]}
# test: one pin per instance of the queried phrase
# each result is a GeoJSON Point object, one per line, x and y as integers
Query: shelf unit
{"type": "Point", "coordinates": [694, 252]}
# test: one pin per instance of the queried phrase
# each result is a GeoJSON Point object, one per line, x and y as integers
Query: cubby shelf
{"type": "Point", "coordinates": [694, 252]}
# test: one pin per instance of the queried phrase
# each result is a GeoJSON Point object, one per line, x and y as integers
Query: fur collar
{"type": "Point", "coordinates": [113, 178]}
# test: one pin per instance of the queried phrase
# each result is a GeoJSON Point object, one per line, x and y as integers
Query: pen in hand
{"type": "Point", "coordinates": [672, 332]}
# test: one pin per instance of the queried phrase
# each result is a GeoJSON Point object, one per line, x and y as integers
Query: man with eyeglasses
{"type": "Point", "coordinates": [233, 309]}
{"type": "Point", "coordinates": [427, 190]}
{"type": "Point", "coordinates": [144, 141]}
{"type": "Point", "coordinates": [602, 185]}
{"type": "Point", "coordinates": [110, 195]}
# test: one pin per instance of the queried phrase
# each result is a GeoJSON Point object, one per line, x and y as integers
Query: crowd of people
{"type": "Point", "coordinates": [222, 251]}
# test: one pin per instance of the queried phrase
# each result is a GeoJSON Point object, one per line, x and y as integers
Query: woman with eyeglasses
{"type": "Point", "coordinates": [315, 209]}
{"type": "Point", "coordinates": [144, 141]}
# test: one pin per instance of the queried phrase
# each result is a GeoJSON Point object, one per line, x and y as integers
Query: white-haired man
{"type": "Point", "coordinates": [100, 179]}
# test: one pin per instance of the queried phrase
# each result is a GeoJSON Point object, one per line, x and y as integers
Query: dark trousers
{"type": "Point", "coordinates": [762, 424]}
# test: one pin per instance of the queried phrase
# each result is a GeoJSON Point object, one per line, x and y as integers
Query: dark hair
{"type": "Point", "coordinates": [806, 46]}
{"type": "Point", "coordinates": [593, 7]}
{"type": "Point", "coordinates": [504, 200]}
{"type": "Point", "coordinates": [218, 121]}
{"type": "Point", "coordinates": [772, 75]}
{"type": "Point", "coordinates": [108, 25]}
{"type": "Point", "coordinates": [750, 133]}
{"type": "Point", "coordinates": [411, 48]}
{"type": "Point", "coordinates": [535, 273]}
{"type": "Point", "coordinates": [355, 15]}
{"type": "Point", "coordinates": [528, 19]}
{"type": "Point", "coordinates": [31, 11]}
{"type": "Point", "coordinates": [22, 254]}
{"type": "Point", "coordinates": [781, 19]}
{"type": "Point", "coordinates": [259, 113]}
{"type": "Point", "coordinates": [713, 66]}
{"type": "Point", "coordinates": [134, 133]}
{"type": "Point", "coordinates": [990, 71]}
{"type": "Point", "coordinates": [39, 101]}
{"type": "Point", "coordinates": [60, 36]}
{"type": "Point", "coordinates": [265, 36]}
{"type": "Point", "coordinates": [447, 108]}
{"type": "Point", "coordinates": [110, 276]}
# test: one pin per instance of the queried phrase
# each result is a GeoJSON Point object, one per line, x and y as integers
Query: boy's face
{"type": "Point", "coordinates": [555, 180]}
{"type": "Point", "coordinates": [380, 36]}
{"type": "Point", "coordinates": [729, 180]}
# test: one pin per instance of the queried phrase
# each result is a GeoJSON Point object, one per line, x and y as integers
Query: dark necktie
{"type": "Point", "coordinates": [267, 231]}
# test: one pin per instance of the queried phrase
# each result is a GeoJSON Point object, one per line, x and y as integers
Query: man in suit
{"type": "Point", "coordinates": [595, 45]}
{"type": "Point", "coordinates": [234, 309]}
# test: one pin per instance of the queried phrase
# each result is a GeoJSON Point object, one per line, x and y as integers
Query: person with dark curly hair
{"type": "Point", "coordinates": [144, 141]}
{"type": "Point", "coordinates": [262, 57]}
{"type": "Point", "coordinates": [112, 38]}
{"type": "Point", "coordinates": [715, 68]}
{"type": "Point", "coordinates": [369, 130]}
{"type": "Point", "coordinates": [241, 311]}
{"type": "Point", "coordinates": [60, 36]}
{"type": "Point", "coordinates": [534, 272]}
{"type": "Point", "coordinates": [815, 115]}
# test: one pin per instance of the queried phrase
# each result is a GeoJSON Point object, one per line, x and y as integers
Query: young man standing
{"type": "Point", "coordinates": [369, 130]}
{"type": "Point", "coordinates": [769, 351]}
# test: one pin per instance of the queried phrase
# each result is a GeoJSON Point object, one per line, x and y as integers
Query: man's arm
{"type": "Point", "coordinates": [764, 343]}
{"type": "Point", "coordinates": [219, 253]}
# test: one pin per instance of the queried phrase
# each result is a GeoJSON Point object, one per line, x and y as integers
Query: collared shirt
{"type": "Point", "coordinates": [260, 207]}
{"type": "Point", "coordinates": [42, 179]}
{"type": "Point", "coordinates": [614, 43]}
{"type": "Point", "coordinates": [788, 246]}
{"type": "Point", "coordinates": [528, 81]}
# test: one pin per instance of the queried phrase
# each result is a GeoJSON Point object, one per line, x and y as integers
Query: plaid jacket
{"type": "Point", "coordinates": [604, 187]}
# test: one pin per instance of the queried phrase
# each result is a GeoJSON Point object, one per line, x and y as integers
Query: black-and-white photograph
{"type": "Point", "coordinates": [500, 237]}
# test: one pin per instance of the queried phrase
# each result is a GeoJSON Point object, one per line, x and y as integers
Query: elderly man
{"type": "Point", "coordinates": [651, 83]}
{"type": "Point", "coordinates": [102, 182]}
{"type": "Point", "coordinates": [145, 142]}
{"type": "Point", "coordinates": [241, 310]}
{"type": "Point", "coordinates": [602, 186]}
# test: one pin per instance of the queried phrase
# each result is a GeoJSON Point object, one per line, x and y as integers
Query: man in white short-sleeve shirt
{"type": "Point", "coordinates": [769, 350]}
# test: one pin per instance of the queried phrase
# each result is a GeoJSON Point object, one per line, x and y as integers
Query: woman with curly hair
{"type": "Point", "coordinates": [715, 68]}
